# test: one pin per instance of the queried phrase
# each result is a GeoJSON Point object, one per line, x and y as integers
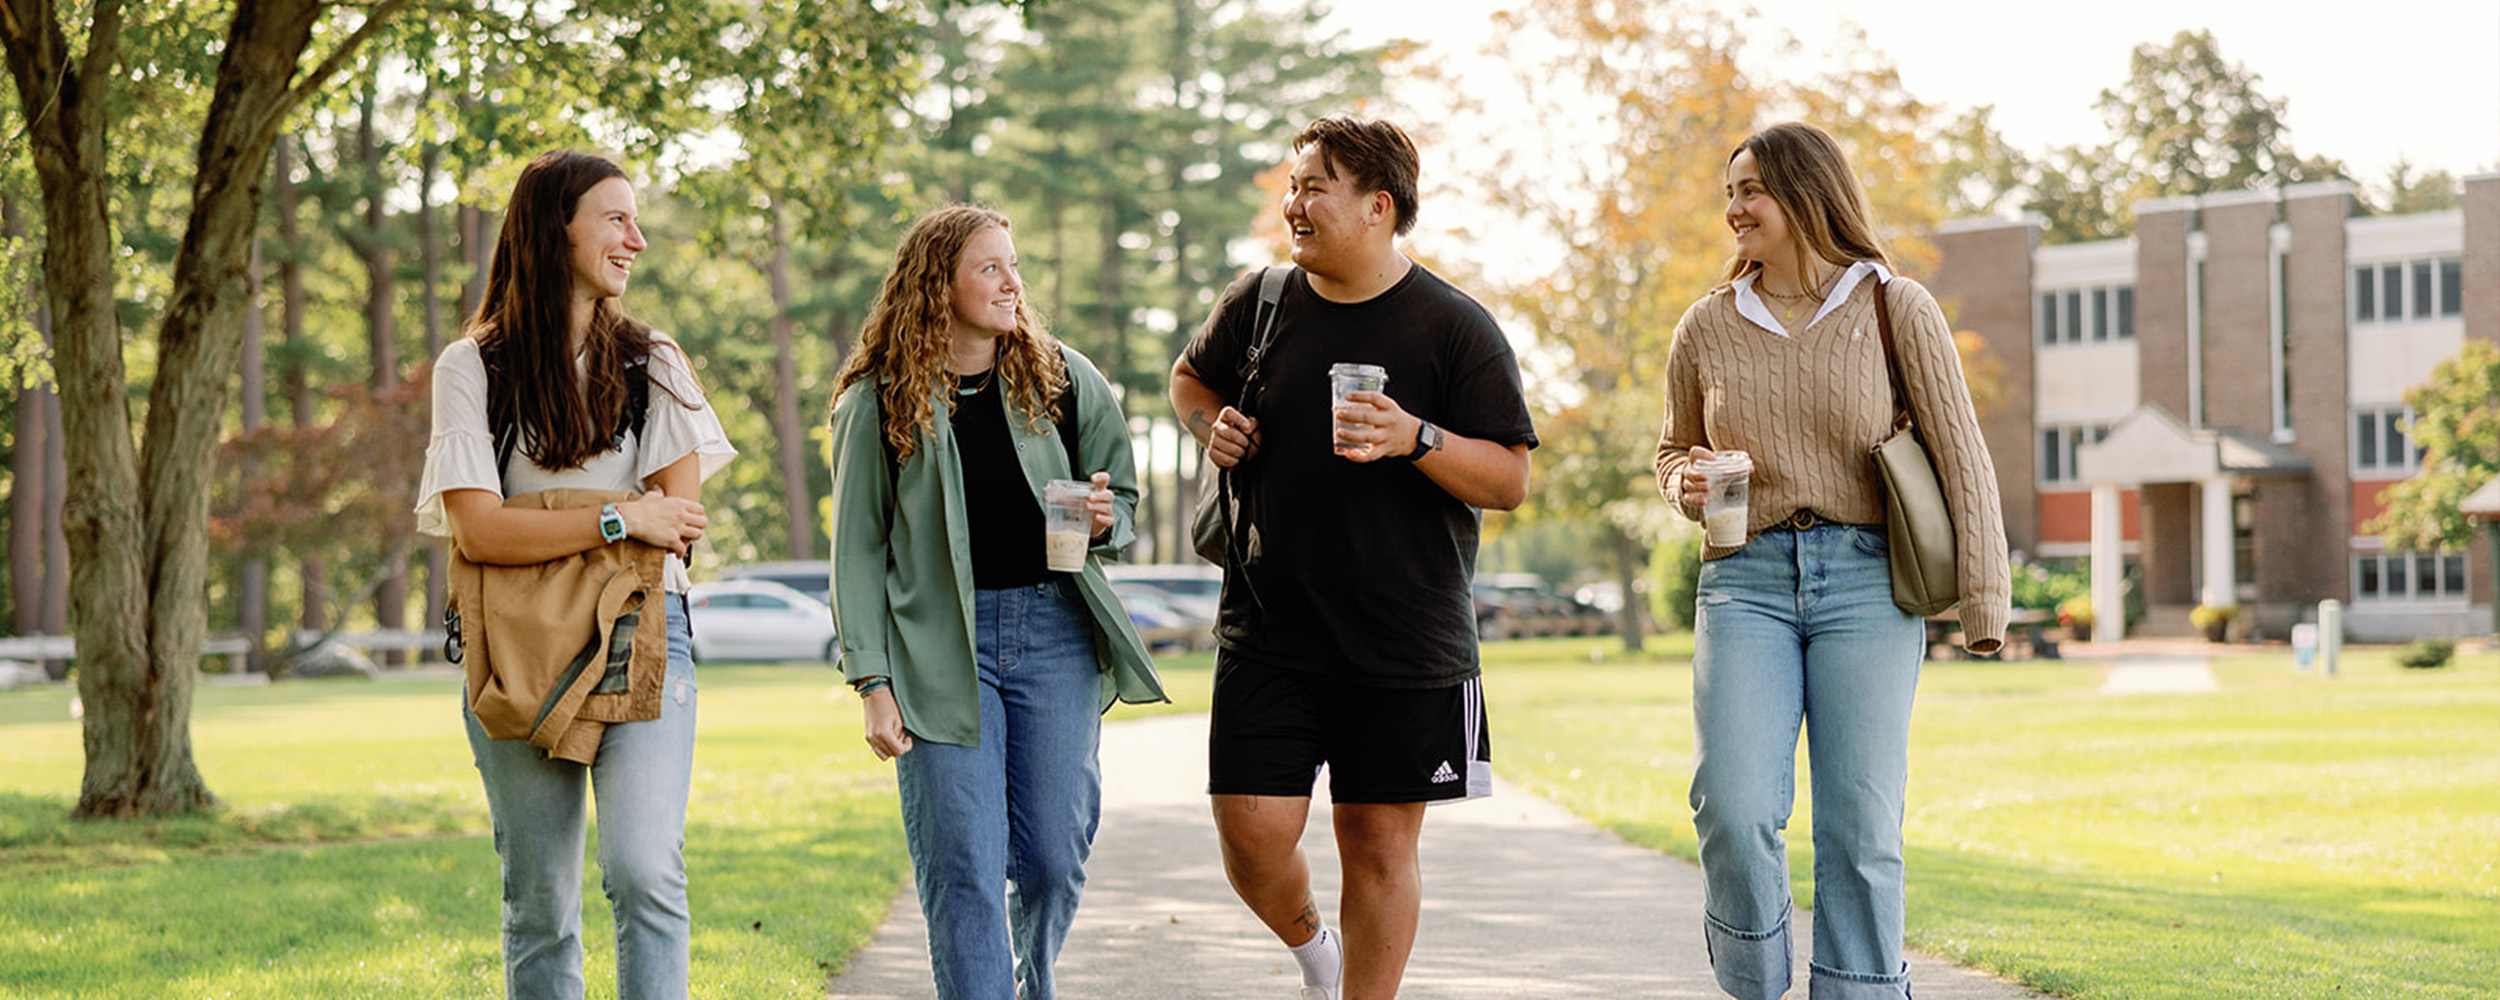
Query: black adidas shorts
{"type": "Point", "coordinates": [1273, 728]}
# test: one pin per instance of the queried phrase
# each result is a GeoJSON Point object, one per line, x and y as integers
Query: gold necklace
{"type": "Point", "coordinates": [1796, 299]}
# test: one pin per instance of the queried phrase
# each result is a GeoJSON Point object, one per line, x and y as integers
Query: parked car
{"type": "Point", "coordinates": [1520, 605]}
{"type": "Point", "coordinates": [753, 619]}
{"type": "Point", "coordinates": [813, 577]}
{"type": "Point", "coordinates": [1193, 589]}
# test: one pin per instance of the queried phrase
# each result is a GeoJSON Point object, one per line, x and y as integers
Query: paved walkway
{"type": "Point", "coordinates": [1521, 900]}
{"type": "Point", "coordinates": [2160, 675]}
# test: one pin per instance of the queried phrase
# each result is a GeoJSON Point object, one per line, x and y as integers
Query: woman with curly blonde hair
{"type": "Point", "coordinates": [983, 673]}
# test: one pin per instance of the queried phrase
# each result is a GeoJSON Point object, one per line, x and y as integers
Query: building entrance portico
{"type": "Point", "coordinates": [2201, 489]}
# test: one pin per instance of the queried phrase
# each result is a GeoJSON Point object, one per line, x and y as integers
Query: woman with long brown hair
{"type": "Point", "coordinates": [983, 672]}
{"type": "Point", "coordinates": [555, 388]}
{"type": "Point", "coordinates": [1795, 622]}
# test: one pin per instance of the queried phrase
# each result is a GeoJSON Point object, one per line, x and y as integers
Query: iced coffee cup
{"type": "Point", "coordinates": [1345, 378]}
{"type": "Point", "coordinates": [1066, 524]}
{"type": "Point", "coordinates": [1723, 506]}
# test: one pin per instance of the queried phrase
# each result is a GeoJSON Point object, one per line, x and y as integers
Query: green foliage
{"type": "Point", "coordinates": [2045, 586]}
{"type": "Point", "coordinates": [1644, 234]}
{"type": "Point", "coordinates": [2189, 121]}
{"type": "Point", "coordinates": [2426, 654]}
{"type": "Point", "coordinates": [2457, 424]}
{"type": "Point", "coordinates": [1675, 579]}
{"type": "Point", "coordinates": [2409, 189]}
{"type": "Point", "coordinates": [2316, 839]}
{"type": "Point", "coordinates": [2185, 121]}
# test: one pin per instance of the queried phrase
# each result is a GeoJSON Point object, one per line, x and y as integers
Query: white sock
{"type": "Point", "coordinates": [1322, 958]}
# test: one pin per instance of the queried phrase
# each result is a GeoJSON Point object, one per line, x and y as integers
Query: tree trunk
{"type": "Point", "coordinates": [1055, 209]}
{"type": "Point", "coordinates": [390, 594]}
{"type": "Point", "coordinates": [135, 758]}
{"type": "Point", "coordinates": [430, 245]}
{"type": "Point", "coordinates": [55, 538]}
{"type": "Point", "coordinates": [473, 250]}
{"type": "Point", "coordinates": [799, 510]}
{"type": "Point", "coordinates": [313, 571]}
{"type": "Point", "coordinates": [1630, 558]}
{"type": "Point", "coordinates": [252, 589]}
{"type": "Point", "coordinates": [137, 524]}
{"type": "Point", "coordinates": [838, 330]}
{"type": "Point", "coordinates": [29, 492]}
{"type": "Point", "coordinates": [1111, 285]}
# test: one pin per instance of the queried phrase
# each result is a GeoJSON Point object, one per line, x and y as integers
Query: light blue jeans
{"type": "Point", "coordinates": [640, 778]}
{"type": "Point", "coordinates": [999, 833]}
{"type": "Point", "coordinates": [1799, 627]}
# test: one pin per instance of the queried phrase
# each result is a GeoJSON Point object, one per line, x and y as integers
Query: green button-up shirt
{"type": "Point", "coordinates": [902, 571]}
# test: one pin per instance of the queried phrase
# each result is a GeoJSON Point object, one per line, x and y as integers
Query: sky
{"type": "Point", "coordinates": [2413, 79]}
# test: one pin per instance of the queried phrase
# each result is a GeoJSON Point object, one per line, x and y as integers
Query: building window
{"type": "Point", "coordinates": [2429, 288]}
{"type": "Point", "coordinates": [2106, 312]}
{"type": "Point", "coordinates": [2380, 444]}
{"type": "Point", "coordinates": [2057, 450]}
{"type": "Point", "coordinates": [2409, 576]}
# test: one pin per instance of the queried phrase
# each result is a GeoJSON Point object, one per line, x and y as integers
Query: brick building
{"type": "Point", "coordinates": [2217, 402]}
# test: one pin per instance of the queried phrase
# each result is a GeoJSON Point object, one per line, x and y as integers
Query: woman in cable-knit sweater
{"type": "Point", "coordinates": [1796, 625]}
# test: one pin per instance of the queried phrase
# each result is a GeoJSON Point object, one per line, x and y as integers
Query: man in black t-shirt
{"type": "Point", "coordinates": [1347, 628]}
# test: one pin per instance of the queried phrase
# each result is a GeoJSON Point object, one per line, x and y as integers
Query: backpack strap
{"type": "Point", "coordinates": [637, 405]}
{"type": "Point", "coordinates": [1065, 426]}
{"type": "Point", "coordinates": [1271, 302]}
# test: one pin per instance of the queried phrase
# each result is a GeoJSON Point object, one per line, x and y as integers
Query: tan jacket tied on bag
{"type": "Point", "coordinates": [535, 638]}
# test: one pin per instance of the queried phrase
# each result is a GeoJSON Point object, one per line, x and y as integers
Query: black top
{"type": "Point", "coordinates": [1005, 520]}
{"type": "Point", "coordinates": [1361, 569]}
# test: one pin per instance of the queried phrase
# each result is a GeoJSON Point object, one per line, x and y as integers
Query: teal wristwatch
{"type": "Point", "coordinates": [611, 524]}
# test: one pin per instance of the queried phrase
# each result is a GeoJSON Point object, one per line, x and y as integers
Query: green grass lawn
{"type": "Point", "coordinates": [351, 859]}
{"type": "Point", "coordinates": [2288, 836]}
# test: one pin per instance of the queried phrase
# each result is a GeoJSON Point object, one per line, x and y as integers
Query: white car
{"type": "Point", "coordinates": [758, 620]}
{"type": "Point", "coordinates": [1193, 590]}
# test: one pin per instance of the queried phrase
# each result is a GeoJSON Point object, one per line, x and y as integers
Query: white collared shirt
{"type": "Point", "coordinates": [1750, 306]}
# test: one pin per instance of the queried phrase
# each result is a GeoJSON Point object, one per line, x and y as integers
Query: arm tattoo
{"type": "Point", "coordinates": [1201, 425]}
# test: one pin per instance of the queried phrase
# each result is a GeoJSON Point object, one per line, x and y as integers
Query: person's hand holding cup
{"type": "Point", "coordinates": [1067, 524]}
{"type": "Point", "coordinates": [1344, 379]}
{"type": "Point", "coordinates": [1726, 484]}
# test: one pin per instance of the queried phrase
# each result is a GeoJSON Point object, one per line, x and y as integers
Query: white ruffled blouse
{"type": "Point", "coordinates": [461, 454]}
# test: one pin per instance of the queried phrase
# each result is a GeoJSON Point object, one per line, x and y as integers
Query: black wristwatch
{"type": "Point", "coordinates": [1427, 438]}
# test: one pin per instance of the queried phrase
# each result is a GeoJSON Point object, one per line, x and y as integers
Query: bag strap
{"type": "Point", "coordinates": [1271, 303]}
{"type": "Point", "coordinates": [637, 401]}
{"type": "Point", "coordinates": [1065, 426]}
{"type": "Point", "coordinates": [1892, 359]}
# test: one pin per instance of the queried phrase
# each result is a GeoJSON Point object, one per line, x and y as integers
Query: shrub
{"type": "Point", "coordinates": [2208, 615]}
{"type": "Point", "coordinates": [2426, 654]}
{"type": "Point", "coordinates": [2050, 585]}
{"type": "Point", "coordinates": [1674, 578]}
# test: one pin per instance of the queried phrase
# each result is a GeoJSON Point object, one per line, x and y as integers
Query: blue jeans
{"type": "Point", "coordinates": [1799, 627]}
{"type": "Point", "coordinates": [999, 833]}
{"type": "Point", "coordinates": [640, 778]}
